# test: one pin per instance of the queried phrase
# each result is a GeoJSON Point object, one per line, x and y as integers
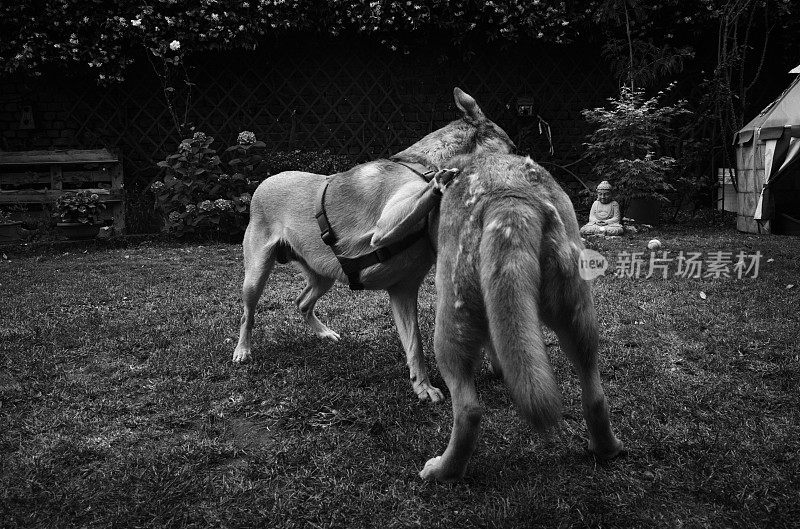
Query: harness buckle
{"type": "Point", "coordinates": [328, 237]}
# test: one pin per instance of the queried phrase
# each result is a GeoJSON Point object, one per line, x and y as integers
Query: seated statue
{"type": "Point", "coordinates": [604, 218]}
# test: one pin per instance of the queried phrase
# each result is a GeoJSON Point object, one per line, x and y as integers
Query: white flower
{"type": "Point", "coordinates": [223, 204]}
{"type": "Point", "coordinates": [136, 22]}
{"type": "Point", "coordinates": [246, 138]}
{"type": "Point", "coordinates": [175, 45]}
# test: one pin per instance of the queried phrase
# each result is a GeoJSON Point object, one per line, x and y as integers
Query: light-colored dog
{"type": "Point", "coordinates": [368, 207]}
{"type": "Point", "coordinates": [508, 260]}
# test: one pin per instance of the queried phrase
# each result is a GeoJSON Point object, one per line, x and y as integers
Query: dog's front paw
{"type": "Point", "coordinates": [431, 468]}
{"type": "Point", "coordinates": [328, 334]}
{"type": "Point", "coordinates": [425, 391]}
{"type": "Point", "coordinates": [240, 355]}
{"type": "Point", "coordinates": [434, 469]}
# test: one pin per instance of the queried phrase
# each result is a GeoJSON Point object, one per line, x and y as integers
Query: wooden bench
{"type": "Point", "coordinates": [40, 177]}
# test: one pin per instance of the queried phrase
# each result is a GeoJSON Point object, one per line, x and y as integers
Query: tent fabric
{"type": "Point", "coordinates": [784, 112]}
{"type": "Point", "coordinates": [778, 128]}
{"type": "Point", "coordinates": [791, 154]}
{"type": "Point", "coordinates": [776, 159]}
{"type": "Point", "coordinates": [744, 136]}
{"type": "Point", "coordinates": [769, 156]}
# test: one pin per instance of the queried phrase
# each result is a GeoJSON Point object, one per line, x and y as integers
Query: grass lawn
{"type": "Point", "coordinates": [119, 405]}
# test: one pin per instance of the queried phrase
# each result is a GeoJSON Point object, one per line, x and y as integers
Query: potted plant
{"type": "Point", "coordinates": [79, 214]}
{"type": "Point", "coordinates": [9, 228]}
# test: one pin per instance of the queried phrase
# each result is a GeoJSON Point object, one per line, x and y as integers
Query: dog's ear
{"type": "Point", "coordinates": [466, 103]}
{"type": "Point", "coordinates": [531, 169]}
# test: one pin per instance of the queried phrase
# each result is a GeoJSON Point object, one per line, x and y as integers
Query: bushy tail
{"type": "Point", "coordinates": [511, 274]}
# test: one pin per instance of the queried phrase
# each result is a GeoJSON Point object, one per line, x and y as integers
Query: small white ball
{"type": "Point", "coordinates": [654, 244]}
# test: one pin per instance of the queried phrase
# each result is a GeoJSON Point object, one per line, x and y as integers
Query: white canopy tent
{"type": "Point", "coordinates": [768, 176]}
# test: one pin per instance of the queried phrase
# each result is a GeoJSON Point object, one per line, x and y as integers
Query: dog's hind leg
{"type": "Point", "coordinates": [458, 355]}
{"type": "Point", "coordinates": [316, 286]}
{"type": "Point", "coordinates": [578, 337]}
{"type": "Point", "coordinates": [403, 298]}
{"type": "Point", "coordinates": [259, 258]}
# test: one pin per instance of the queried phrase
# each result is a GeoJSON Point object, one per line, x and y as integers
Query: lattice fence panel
{"type": "Point", "coordinates": [354, 101]}
{"type": "Point", "coordinates": [348, 99]}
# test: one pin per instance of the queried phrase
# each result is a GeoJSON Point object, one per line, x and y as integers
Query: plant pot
{"type": "Point", "coordinates": [644, 210]}
{"type": "Point", "coordinates": [78, 230]}
{"type": "Point", "coordinates": [10, 231]}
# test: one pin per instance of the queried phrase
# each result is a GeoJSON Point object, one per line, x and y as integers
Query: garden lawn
{"type": "Point", "coordinates": [119, 404]}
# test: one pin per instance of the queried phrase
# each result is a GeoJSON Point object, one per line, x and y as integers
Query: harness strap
{"type": "Point", "coordinates": [427, 175]}
{"type": "Point", "coordinates": [352, 266]}
{"type": "Point", "coordinates": [325, 230]}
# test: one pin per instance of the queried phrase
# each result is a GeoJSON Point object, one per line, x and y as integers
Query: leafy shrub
{"type": "Point", "coordinates": [248, 161]}
{"type": "Point", "coordinates": [79, 206]}
{"type": "Point", "coordinates": [319, 162]}
{"type": "Point", "coordinates": [196, 197]}
{"type": "Point", "coordinates": [693, 183]}
{"type": "Point", "coordinates": [5, 217]}
{"type": "Point", "coordinates": [624, 148]}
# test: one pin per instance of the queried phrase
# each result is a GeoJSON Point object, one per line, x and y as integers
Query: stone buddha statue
{"type": "Point", "coordinates": [604, 218]}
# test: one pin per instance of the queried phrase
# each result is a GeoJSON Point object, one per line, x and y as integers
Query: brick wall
{"type": "Point", "coordinates": [347, 97]}
{"type": "Point", "coordinates": [50, 113]}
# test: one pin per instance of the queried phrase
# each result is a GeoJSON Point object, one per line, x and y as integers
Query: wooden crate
{"type": "Point", "coordinates": [40, 177]}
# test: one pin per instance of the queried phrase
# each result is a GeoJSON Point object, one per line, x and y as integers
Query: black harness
{"type": "Point", "coordinates": [352, 266]}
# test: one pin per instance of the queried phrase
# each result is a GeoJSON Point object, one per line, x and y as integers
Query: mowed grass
{"type": "Point", "coordinates": [119, 405]}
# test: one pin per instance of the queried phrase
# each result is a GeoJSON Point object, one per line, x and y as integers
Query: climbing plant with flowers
{"type": "Point", "coordinates": [198, 196]}
{"type": "Point", "coordinates": [109, 36]}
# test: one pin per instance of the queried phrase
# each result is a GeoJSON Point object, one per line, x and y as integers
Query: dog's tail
{"type": "Point", "coordinates": [511, 274]}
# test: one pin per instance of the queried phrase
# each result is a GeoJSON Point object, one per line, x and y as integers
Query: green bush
{"type": "Point", "coordinates": [5, 217]}
{"type": "Point", "coordinates": [319, 162]}
{"type": "Point", "coordinates": [624, 148]}
{"type": "Point", "coordinates": [248, 161]}
{"type": "Point", "coordinates": [197, 197]}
